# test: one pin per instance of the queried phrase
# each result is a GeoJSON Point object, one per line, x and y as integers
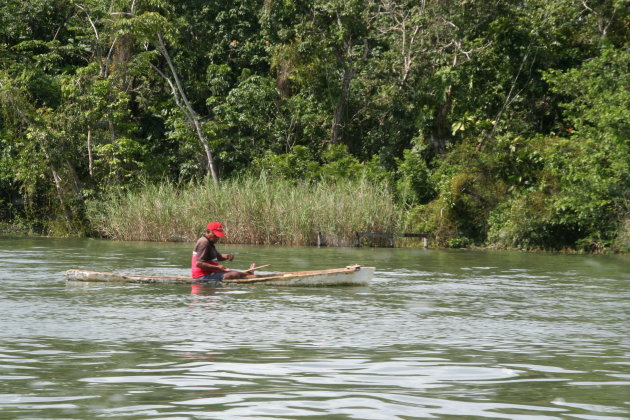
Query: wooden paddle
{"type": "Point", "coordinates": [260, 266]}
{"type": "Point", "coordinates": [253, 269]}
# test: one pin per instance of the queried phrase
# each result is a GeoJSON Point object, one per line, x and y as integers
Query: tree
{"type": "Point", "coordinates": [154, 31]}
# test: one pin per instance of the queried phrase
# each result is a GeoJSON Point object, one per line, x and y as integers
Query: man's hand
{"type": "Point", "coordinates": [251, 269]}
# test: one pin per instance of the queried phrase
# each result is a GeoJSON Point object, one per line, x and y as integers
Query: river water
{"type": "Point", "coordinates": [437, 334]}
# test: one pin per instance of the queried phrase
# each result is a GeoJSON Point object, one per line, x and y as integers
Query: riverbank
{"type": "Point", "coordinates": [14, 229]}
{"type": "Point", "coordinates": [10, 231]}
{"type": "Point", "coordinates": [263, 211]}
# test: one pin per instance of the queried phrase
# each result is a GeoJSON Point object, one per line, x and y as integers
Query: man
{"type": "Point", "coordinates": [205, 258]}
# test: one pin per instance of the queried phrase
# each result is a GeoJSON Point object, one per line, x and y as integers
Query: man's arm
{"type": "Point", "coordinates": [208, 266]}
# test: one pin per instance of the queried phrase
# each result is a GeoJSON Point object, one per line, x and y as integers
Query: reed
{"type": "Point", "coordinates": [260, 210]}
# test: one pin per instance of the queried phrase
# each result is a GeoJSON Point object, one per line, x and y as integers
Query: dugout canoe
{"type": "Point", "coordinates": [351, 275]}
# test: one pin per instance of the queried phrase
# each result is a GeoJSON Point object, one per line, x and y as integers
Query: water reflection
{"type": "Point", "coordinates": [196, 289]}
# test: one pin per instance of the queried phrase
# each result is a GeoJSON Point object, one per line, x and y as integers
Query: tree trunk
{"type": "Point", "coordinates": [178, 92]}
{"type": "Point", "coordinates": [89, 149]}
{"type": "Point", "coordinates": [60, 191]}
{"type": "Point", "coordinates": [342, 104]}
{"type": "Point", "coordinates": [345, 60]}
{"type": "Point", "coordinates": [440, 131]}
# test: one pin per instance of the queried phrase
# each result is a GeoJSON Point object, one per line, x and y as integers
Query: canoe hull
{"type": "Point", "coordinates": [352, 275]}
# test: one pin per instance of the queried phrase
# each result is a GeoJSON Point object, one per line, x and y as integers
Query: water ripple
{"type": "Point", "coordinates": [437, 334]}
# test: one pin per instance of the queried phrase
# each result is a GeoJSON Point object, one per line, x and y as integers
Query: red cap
{"type": "Point", "coordinates": [216, 228]}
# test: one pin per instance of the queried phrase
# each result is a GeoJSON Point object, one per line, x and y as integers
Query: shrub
{"type": "Point", "coordinates": [255, 211]}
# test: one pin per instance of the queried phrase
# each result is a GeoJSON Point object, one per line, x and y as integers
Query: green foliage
{"type": "Point", "coordinates": [339, 164]}
{"type": "Point", "coordinates": [583, 187]}
{"type": "Point", "coordinates": [621, 242]}
{"type": "Point", "coordinates": [246, 111]}
{"type": "Point", "coordinates": [256, 210]}
{"type": "Point", "coordinates": [413, 184]}
{"type": "Point", "coordinates": [334, 164]}
{"type": "Point", "coordinates": [598, 95]}
{"type": "Point", "coordinates": [504, 125]}
{"type": "Point", "coordinates": [520, 223]}
{"type": "Point", "coordinates": [298, 164]}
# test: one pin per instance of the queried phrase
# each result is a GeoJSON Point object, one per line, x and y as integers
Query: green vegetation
{"type": "Point", "coordinates": [502, 126]}
{"type": "Point", "coordinates": [255, 210]}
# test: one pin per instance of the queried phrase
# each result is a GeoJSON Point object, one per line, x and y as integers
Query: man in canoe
{"type": "Point", "coordinates": [205, 258]}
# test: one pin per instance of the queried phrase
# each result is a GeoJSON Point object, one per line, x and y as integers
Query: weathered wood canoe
{"type": "Point", "coordinates": [352, 275]}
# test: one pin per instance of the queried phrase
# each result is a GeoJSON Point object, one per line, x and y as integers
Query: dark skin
{"type": "Point", "coordinates": [228, 273]}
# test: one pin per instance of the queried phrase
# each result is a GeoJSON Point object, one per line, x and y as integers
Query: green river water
{"type": "Point", "coordinates": [437, 334]}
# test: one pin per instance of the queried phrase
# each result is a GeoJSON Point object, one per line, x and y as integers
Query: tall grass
{"type": "Point", "coordinates": [253, 211]}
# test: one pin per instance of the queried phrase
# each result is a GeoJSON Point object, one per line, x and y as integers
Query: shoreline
{"type": "Point", "coordinates": [17, 233]}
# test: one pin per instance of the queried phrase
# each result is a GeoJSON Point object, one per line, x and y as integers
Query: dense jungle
{"type": "Point", "coordinates": [500, 124]}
